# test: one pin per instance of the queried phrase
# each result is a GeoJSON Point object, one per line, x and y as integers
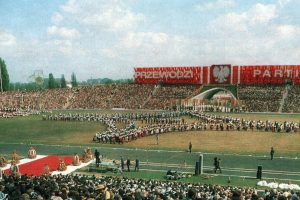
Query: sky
{"type": "Point", "coordinates": [108, 38]}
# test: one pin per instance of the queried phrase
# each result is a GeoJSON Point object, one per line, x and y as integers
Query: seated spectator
{"type": "Point", "coordinates": [3, 162]}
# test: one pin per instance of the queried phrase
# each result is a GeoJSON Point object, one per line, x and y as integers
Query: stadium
{"type": "Point", "coordinates": [233, 113]}
{"type": "Point", "coordinates": [165, 100]}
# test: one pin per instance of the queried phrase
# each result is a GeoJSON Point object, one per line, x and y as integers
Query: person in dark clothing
{"type": "Point", "coordinates": [190, 147]}
{"type": "Point", "coordinates": [122, 163]}
{"type": "Point", "coordinates": [217, 164]}
{"type": "Point", "coordinates": [128, 164]}
{"type": "Point", "coordinates": [97, 156]}
{"type": "Point", "coordinates": [137, 165]}
{"type": "Point", "coordinates": [272, 153]}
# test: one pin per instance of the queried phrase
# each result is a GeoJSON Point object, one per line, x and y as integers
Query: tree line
{"type": "Point", "coordinates": [4, 77]}
{"type": "Point", "coordinates": [50, 82]}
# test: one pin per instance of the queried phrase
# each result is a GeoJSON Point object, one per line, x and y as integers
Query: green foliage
{"type": "Point", "coordinates": [51, 81]}
{"type": "Point", "coordinates": [107, 81]}
{"type": "Point", "coordinates": [23, 86]}
{"type": "Point", "coordinates": [63, 83]}
{"type": "Point", "coordinates": [4, 76]}
{"type": "Point", "coordinates": [74, 80]}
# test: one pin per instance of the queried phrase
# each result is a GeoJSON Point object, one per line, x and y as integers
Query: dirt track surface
{"type": "Point", "coordinates": [225, 141]}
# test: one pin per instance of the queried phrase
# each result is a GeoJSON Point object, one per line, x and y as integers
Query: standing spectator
{"type": "Point", "coordinates": [272, 153]}
{"type": "Point", "coordinates": [190, 147]}
{"type": "Point", "coordinates": [128, 164]}
{"type": "Point", "coordinates": [157, 138]}
{"type": "Point", "coordinates": [97, 156]}
{"type": "Point", "coordinates": [137, 165]}
{"type": "Point", "coordinates": [122, 163]}
{"type": "Point", "coordinates": [217, 164]}
{"type": "Point", "coordinates": [14, 169]}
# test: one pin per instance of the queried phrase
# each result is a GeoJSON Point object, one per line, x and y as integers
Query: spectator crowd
{"type": "Point", "coordinates": [127, 96]}
{"type": "Point", "coordinates": [292, 102]}
{"type": "Point", "coordinates": [260, 98]}
{"type": "Point", "coordinates": [255, 98]}
{"type": "Point", "coordinates": [79, 187]}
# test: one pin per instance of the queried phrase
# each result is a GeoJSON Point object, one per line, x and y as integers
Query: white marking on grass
{"type": "Point", "coordinates": [149, 150]}
{"type": "Point", "coordinates": [224, 175]}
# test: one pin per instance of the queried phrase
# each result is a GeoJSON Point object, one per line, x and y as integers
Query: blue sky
{"type": "Point", "coordinates": [100, 38]}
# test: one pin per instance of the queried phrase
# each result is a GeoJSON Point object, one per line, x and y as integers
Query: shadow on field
{"type": "Point", "coordinates": [152, 144]}
{"type": "Point", "coordinates": [208, 171]}
{"type": "Point", "coordinates": [250, 178]}
{"type": "Point", "coordinates": [263, 159]}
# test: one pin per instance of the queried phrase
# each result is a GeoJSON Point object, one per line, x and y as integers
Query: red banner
{"type": "Point", "coordinates": [168, 75]}
{"type": "Point", "coordinates": [205, 75]}
{"type": "Point", "coordinates": [270, 74]}
{"type": "Point", "coordinates": [235, 74]}
{"type": "Point", "coordinates": [220, 74]}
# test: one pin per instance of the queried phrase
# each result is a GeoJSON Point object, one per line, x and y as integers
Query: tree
{"type": "Point", "coordinates": [63, 83]}
{"type": "Point", "coordinates": [51, 81]}
{"type": "Point", "coordinates": [4, 77]}
{"type": "Point", "coordinates": [73, 80]}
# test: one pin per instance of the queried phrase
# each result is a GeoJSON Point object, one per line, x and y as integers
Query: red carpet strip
{"type": "Point", "coordinates": [36, 167]}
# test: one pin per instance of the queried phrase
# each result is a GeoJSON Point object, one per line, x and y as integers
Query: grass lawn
{"type": "Point", "coordinates": [241, 152]}
{"type": "Point", "coordinates": [34, 130]}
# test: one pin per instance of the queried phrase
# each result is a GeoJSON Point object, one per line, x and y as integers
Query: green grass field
{"type": "Point", "coordinates": [60, 138]}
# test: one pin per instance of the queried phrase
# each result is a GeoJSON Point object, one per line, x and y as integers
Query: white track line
{"type": "Point", "coordinates": [157, 150]}
{"type": "Point", "coordinates": [24, 161]}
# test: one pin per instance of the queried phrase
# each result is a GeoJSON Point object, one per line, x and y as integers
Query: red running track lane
{"type": "Point", "coordinates": [36, 167]}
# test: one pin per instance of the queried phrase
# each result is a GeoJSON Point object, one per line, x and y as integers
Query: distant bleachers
{"type": "Point", "coordinates": [256, 98]}
{"type": "Point", "coordinates": [166, 96]}
{"type": "Point", "coordinates": [292, 102]}
{"type": "Point", "coordinates": [260, 98]}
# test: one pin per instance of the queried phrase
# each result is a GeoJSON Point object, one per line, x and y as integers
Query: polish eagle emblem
{"type": "Point", "coordinates": [221, 73]}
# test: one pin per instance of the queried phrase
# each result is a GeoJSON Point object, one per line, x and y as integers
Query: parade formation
{"type": "Point", "coordinates": [162, 122]}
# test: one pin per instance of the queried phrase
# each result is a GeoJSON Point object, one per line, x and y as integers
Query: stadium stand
{"type": "Point", "coordinates": [165, 96]}
{"type": "Point", "coordinates": [292, 102]}
{"type": "Point", "coordinates": [129, 96]}
{"type": "Point", "coordinates": [255, 98]}
{"type": "Point", "coordinates": [106, 187]}
{"type": "Point", "coordinates": [261, 98]}
{"type": "Point", "coordinates": [36, 99]}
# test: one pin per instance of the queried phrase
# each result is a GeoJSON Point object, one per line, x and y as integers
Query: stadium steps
{"type": "Point", "coordinates": [195, 93]}
{"type": "Point", "coordinates": [284, 96]}
{"type": "Point", "coordinates": [67, 104]}
{"type": "Point", "coordinates": [150, 96]}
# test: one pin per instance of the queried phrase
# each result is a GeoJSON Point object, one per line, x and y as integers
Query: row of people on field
{"type": "Point", "coordinates": [143, 116]}
{"type": "Point", "coordinates": [7, 112]}
{"type": "Point", "coordinates": [203, 121]}
{"type": "Point", "coordinates": [245, 124]}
